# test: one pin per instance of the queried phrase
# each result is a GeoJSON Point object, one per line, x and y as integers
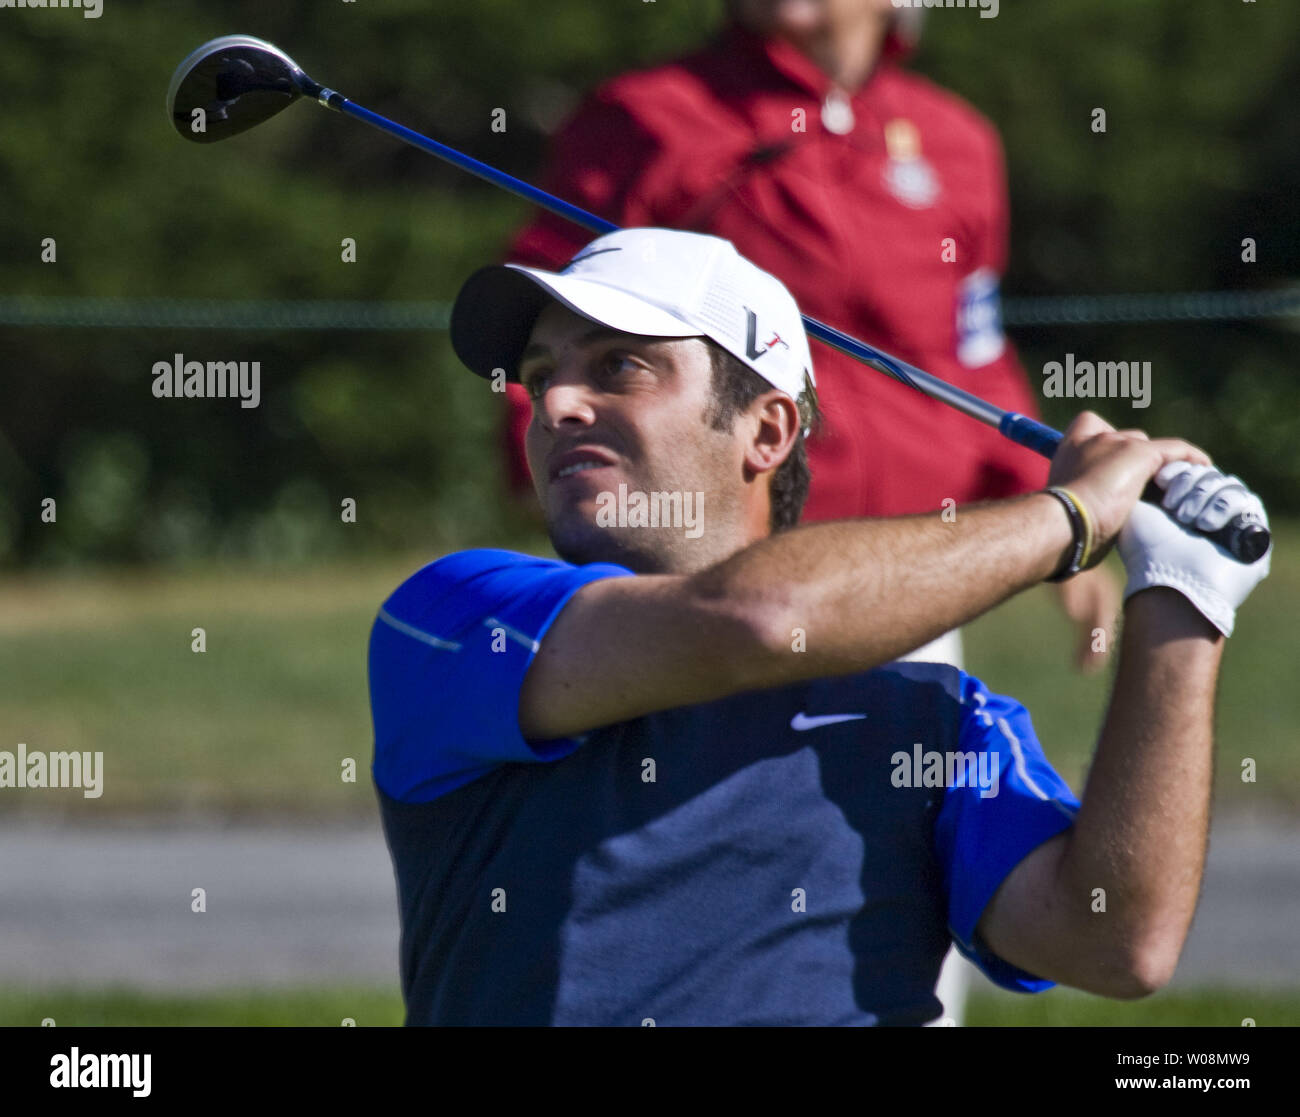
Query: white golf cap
{"type": "Point", "coordinates": [651, 282]}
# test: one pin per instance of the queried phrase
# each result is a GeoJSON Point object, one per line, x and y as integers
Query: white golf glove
{"type": "Point", "coordinates": [1157, 551]}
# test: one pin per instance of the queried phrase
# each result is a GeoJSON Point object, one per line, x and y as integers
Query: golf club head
{"type": "Point", "coordinates": [238, 81]}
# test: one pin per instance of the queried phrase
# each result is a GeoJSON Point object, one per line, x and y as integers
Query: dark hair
{"type": "Point", "coordinates": [735, 387]}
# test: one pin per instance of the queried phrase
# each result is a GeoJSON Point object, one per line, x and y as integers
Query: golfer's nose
{"type": "Point", "coordinates": [567, 401]}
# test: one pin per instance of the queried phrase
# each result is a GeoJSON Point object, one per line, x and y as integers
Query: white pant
{"type": "Point", "coordinates": [955, 977]}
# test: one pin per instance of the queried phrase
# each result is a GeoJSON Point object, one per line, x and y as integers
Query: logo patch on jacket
{"type": "Point", "coordinates": [908, 175]}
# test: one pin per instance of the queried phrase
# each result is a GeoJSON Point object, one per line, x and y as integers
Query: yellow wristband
{"type": "Point", "coordinates": [1090, 532]}
{"type": "Point", "coordinates": [1081, 528]}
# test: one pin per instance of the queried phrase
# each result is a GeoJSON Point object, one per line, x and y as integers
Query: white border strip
{"type": "Point", "coordinates": [415, 633]}
{"type": "Point", "coordinates": [514, 634]}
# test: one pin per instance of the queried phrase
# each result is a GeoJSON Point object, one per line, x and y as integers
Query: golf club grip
{"type": "Point", "coordinates": [1243, 537]}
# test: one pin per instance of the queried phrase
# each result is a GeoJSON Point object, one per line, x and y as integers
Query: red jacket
{"type": "Point", "coordinates": [876, 230]}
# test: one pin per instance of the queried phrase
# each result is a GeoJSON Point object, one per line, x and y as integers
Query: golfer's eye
{"type": "Point", "coordinates": [616, 365]}
{"type": "Point", "coordinates": [535, 384]}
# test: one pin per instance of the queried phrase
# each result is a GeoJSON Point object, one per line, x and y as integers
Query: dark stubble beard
{"type": "Point", "coordinates": [665, 549]}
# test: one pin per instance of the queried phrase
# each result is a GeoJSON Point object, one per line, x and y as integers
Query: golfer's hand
{"type": "Point", "coordinates": [1167, 548]}
{"type": "Point", "coordinates": [1108, 469]}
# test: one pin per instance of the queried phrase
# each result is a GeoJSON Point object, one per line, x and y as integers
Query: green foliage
{"type": "Point", "coordinates": [1198, 154]}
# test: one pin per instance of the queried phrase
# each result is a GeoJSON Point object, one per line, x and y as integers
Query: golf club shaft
{"type": "Point", "coordinates": [1018, 428]}
{"type": "Point", "coordinates": [1243, 538]}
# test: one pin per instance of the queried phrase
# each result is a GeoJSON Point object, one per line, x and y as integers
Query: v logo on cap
{"type": "Point", "coordinates": [751, 335]}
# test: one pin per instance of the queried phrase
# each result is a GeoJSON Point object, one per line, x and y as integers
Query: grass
{"type": "Point", "coordinates": [122, 1007]}
{"type": "Point", "coordinates": [330, 1006]}
{"type": "Point", "coordinates": [264, 719]}
{"type": "Point", "coordinates": [1200, 1008]}
{"type": "Point", "coordinates": [261, 720]}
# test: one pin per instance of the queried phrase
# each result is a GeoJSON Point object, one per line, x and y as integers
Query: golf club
{"type": "Point", "coordinates": [233, 83]}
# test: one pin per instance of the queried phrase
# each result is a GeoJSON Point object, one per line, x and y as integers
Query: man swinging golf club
{"type": "Point", "coordinates": [675, 777]}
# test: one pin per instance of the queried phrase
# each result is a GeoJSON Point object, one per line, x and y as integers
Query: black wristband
{"type": "Point", "coordinates": [1074, 563]}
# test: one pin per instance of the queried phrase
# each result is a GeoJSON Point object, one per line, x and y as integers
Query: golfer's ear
{"type": "Point", "coordinates": [773, 426]}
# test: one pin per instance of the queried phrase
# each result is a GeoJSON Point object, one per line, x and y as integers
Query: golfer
{"type": "Point", "coordinates": [799, 133]}
{"type": "Point", "coordinates": [677, 777]}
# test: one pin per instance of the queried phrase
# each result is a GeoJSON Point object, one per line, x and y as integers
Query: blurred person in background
{"type": "Point", "coordinates": [880, 200]}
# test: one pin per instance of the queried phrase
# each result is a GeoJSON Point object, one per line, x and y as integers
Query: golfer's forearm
{"type": "Point", "coordinates": [1140, 833]}
{"type": "Point", "coordinates": [828, 599]}
{"type": "Point", "coordinates": [856, 593]}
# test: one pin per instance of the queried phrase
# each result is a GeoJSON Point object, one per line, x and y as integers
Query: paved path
{"type": "Point", "coordinates": [284, 906]}
{"type": "Point", "coordinates": [303, 905]}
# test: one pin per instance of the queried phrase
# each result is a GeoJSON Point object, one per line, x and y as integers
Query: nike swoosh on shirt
{"type": "Point", "coordinates": [802, 721]}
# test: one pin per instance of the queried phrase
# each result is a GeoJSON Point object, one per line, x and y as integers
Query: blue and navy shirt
{"type": "Point", "coordinates": [795, 856]}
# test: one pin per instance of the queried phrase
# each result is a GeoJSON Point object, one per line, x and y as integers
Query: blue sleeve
{"type": "Point", "coordinates": [448, 654]}
{"type": "Point", "coordinates": [987, 826]}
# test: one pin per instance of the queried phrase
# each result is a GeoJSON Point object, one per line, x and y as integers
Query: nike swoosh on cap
{"type": "Point", "coordinates": [802, 721]}
{"type": "Point", "coordinates": [589, 255]}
